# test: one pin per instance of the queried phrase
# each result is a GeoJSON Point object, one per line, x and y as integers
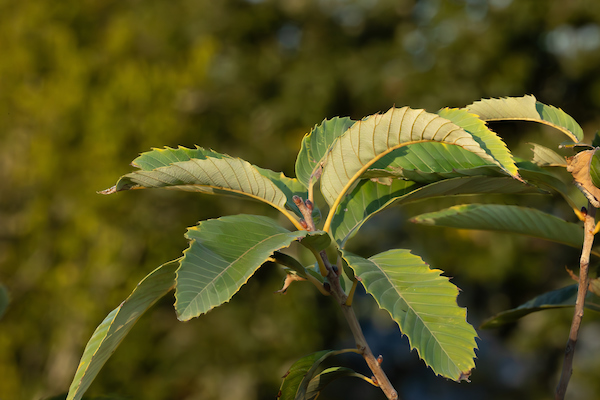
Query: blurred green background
{"type": "Point", "coordinates": [85, 86]}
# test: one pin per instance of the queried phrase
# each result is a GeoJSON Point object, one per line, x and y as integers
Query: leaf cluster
{"type": "Point", "coordinates": [358, 168]}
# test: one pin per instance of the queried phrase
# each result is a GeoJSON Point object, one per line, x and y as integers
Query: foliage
{"type": "Point", "coordinates": [224, 253]}
{"type": "Point", "coordinates": [85, 86]}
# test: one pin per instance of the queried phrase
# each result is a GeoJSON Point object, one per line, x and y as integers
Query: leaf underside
{"type": "Point", "coordinates": [117, 324]}
{"type": "Point", "coordinates": [206, 171]}
{"type": "Point", "coordinates": [545, 157]}
{"type": "Point", "coordinates": [527, 108]}
{"type": "Point", "coordinates": [509, 219]}
{"type": "Point", "coordinates": [423, 303]}
{"type": "Point", "coordinates": [223, 254]}
{"type": "Point", "coordinates": [369, 198]}
{"type": "Point", "coordinates": [367, 141]}
{"type": "Point", "coordinates": [560, 298]}
{"type": "Point", "coordinates": [315, 146]}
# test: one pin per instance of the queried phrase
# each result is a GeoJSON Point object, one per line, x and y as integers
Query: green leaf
{"type": "Point", "coordinates": [489, 141]}
{"type": "Point", "coordinates": [595, 168]}
{"type": "Point", "coordinates": [368, 198]}
{"type": "Point", "coordinates": [560, 298]}
{"type": "Point", "coordinates": [430, 162]}
{"type": "Point", "coordinates": [315, 146]}
{"type": "Point", "coordinates": [118, 323]}
{"type": "Point", "coordinates": [545, 180]}
{"type": "Point", "coordinates": [545, 157]}
{"type": "Point", "coordinates": [596, 140]}
{"type": "Point", "coordinates": [367, 141]}
{"type": "Point", "coordinates": [318, 383]}
{"type": "Point", "coordinates": [510, 219]}
{"type": "Point", "coordinates": [527, 108]}
{"type": "Point", "coordinates": [317, 240]}
{"type": "Point", "coordinates": [297, 379]}
{"type": "Point", "coordinates": [290, 187]}
{"type": "Point", "coordinates": [157, 158]}
{"type": "Point", "coordinates": [223, 254]}
{"type": "Point", "coordinates": [423, 303]}
{"type": "Point", "coordinates": [213, 173]}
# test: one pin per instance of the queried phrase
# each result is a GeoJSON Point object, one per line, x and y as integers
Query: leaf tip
{"type": "Point", "coordinates": [110, 190]}
{"type": "Point", "coordinates": [464, 376]}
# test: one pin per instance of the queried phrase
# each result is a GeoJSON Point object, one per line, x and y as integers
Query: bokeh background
{"type": "Point", "coordinates": [85, 86]}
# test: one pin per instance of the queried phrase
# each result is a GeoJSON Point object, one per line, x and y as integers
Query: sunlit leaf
{"type": "Point", "coordinates": [546, 157]}
{"type": "Point", "coordinates": [368, 198]}
{"type": "Point", "coordinates": [117, 324]}
{"type": "Point", "coordinates": [423, 303]}
{"type": "Point", "coordinates": [157, 158]}
{"type": "Point", "coordinates": [505, 218]}
{"type": "Point", "coordinates": [595, 169]}
{"type": "Point", "coordinates": [223, 254]}
{"type": "Point", "coordinates": [561, 298]}
{"type": "Point", "coordinates": [527, 108]}
{"type": "Point", "coordinates": [580, 167]}
{"type": "Point", "coordinates": [489, 141]}
{"type": "Point", "coordinates": [367, 141]}
{"type": "Point", "coordinates": [430, 162]}
{"type": "Point", "coordinates": [290, 187]}
{"type": "Point", "coordinates": [315, 146]}
{"type": "Point", "coordinates": [211, 174]}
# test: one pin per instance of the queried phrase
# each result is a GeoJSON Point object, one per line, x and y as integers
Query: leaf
{"type": "Point", "coordinates": [109, 334]}
{"type": "Point", "coordinates": [223, 254]}
{"type": "Point", "coordinates": [430, 162]}
{"type": "Point", "coordinates": [510, 219]}
{"type": "Point", "coordinates": [488, 140]}
{"type": "Point", "coordinates": [367, 141]}
{"type": "Point", "coordinates": [296, 380]}
{"type": "Point", "coordinates": [561, 298]}
{"type": "Point", "coordinates": [579, 166]}
{"type": "Point", "coordinates": [595, 169]}
{"type": "Point", "coordinates": [596, 140]}
{"type": "Point", "coordinates": [318, 383]}
{"type": "Point", "coordinates": [423, 303]}
{"type": "Point", "coordinates": [317, 240]}
{"type": "Point", "coordinates": [527, 108]}
{"type": "Point", "coordinates": [290, 187]}
{"type": "Point", "coordinates": [545, 157]}
{"type": "Point", "coordinates": [315, 146]}
{"type": "Point", "coordinates": [368, 198]}
{"type": "Point", "coordinates": [157, 158]}
{"type": "Point", "coordinates": [213, 173]}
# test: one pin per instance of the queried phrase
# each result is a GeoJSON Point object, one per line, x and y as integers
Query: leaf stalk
{"type": "Point", "coordinates": [584, 262]}
{"type": "Point", "coordinates": [379, 379]}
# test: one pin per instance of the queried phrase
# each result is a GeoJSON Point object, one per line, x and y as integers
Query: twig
{"type": "Point", "coordinates": [333, 276]}
{"type": "Point", "coordinates": [588, 239]}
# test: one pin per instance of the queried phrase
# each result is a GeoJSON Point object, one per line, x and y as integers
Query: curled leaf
{"type": "Point", "coordinates": [580, 166]}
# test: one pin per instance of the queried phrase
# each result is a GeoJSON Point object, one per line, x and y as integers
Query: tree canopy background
{"type": "Point", "coordinates": [85, 86]}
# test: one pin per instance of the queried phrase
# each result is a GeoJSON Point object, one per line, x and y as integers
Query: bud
{"type": "Point", "coordinates": [309, 205]}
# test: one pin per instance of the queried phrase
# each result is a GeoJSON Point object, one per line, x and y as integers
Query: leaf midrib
{"type": "Point", "coordinates": [227, 268]}
{"type": "Point", "coordinates": [413, 310]}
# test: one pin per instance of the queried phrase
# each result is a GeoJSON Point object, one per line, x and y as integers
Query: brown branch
{"type": "Point", "coordinates": [588, 239]}
{"type": "Point", "coordinates": [333, 276]}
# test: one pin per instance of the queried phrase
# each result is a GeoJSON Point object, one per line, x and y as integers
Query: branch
{"type": "Point", "coordinates": [333, 276]}
{"type": "Point", "coordinates": [588, 239]}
